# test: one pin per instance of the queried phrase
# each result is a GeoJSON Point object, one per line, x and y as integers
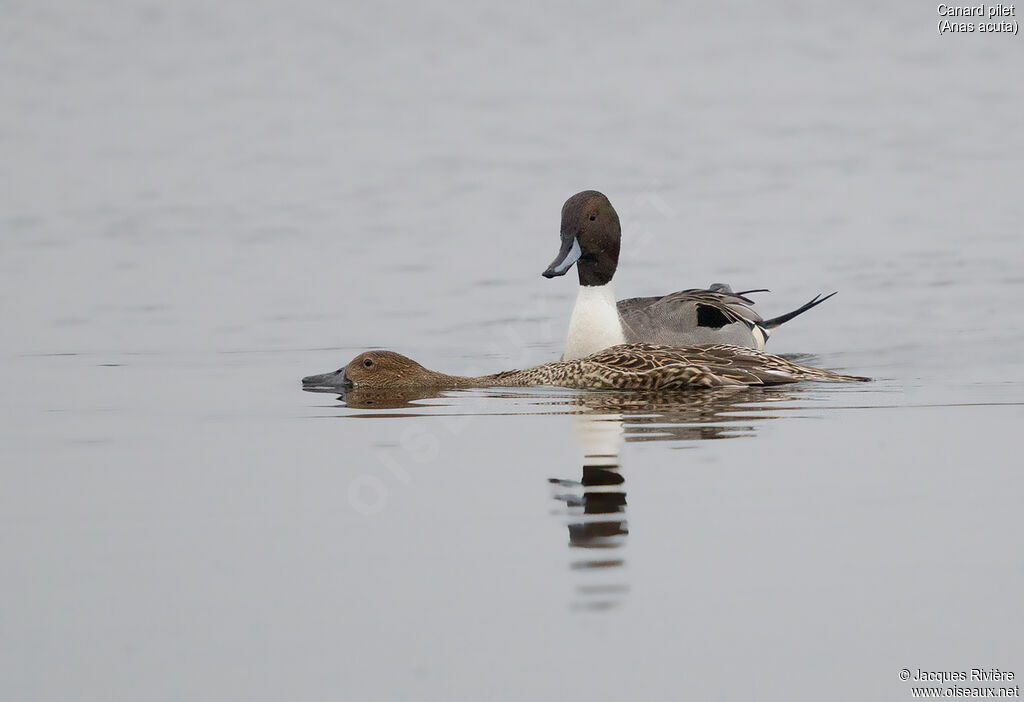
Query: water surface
{"type": "Point", "coordinates": [205, 202]}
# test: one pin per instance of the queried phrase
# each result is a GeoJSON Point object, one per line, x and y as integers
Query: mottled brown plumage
{"type": "Point", "coordinates": [646, 367]}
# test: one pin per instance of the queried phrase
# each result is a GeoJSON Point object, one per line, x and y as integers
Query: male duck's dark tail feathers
{"type": "Point", "coordinates": [783, 318]}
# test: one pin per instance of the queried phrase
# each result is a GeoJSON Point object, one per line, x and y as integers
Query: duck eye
{"type": "Point", "coordinates": [367, 362]}
{"type": "Point", "coordinates": [593, 217]}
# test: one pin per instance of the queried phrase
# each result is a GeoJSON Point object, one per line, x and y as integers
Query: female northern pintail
{"type": "Point", "coordinates": [648, 367]}
{"type": "Point", "coordinates": [590, 239]}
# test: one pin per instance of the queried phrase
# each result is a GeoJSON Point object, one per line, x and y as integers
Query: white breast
{"type": "Point", "coordinates": [594, 324]}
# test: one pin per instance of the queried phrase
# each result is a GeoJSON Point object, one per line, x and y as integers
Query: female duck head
{"type": "Point", "coordinates": [590, 238]}
{"type": "Point", "coordinates": [375, 369]}
{"type": "Point", "coordinates": [386, 369]}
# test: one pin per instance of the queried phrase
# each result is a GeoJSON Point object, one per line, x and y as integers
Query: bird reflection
{"type": "Point", "coordinates": [596, 509]}
{"type": "Point", "coordinates": [595, 505]}
{"type": "Point", "coordinates": [359, 398]}
{"type": "Point", "coordinates": [592, 502]}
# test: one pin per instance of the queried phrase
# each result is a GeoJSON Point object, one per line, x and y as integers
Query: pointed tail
{"type": "Point", "coordinates": [783, 318]}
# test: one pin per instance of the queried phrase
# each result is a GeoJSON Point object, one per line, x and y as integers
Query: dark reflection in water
{"type": "Point", "coordinates": [382, 399]}
{"type": "Point", "coordinates": [595, 512]}
{"type": "Point", "coordinates": [595, 505]}
{"type": "Point", "coordinates": [592, 498]}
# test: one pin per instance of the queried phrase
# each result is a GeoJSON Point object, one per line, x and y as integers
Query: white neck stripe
{"type": "Point", "coordinates": [595, 323]}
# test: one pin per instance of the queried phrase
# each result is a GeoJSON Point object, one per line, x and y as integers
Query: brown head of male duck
{"type": "Point", "coordinates": [646, 367]}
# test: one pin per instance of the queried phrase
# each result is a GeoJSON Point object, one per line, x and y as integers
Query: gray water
{"type": "Point", "coordinates": [204, 202]}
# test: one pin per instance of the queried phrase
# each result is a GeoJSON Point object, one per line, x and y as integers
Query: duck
{"type": "Point", "coordinates": [590, 239]}
{"type": "Point", "coordinates": [646, 367]}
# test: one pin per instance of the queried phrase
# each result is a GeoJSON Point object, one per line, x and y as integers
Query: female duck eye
{"type": "Point", "coordinates": [593, 217]}
{"type": "Point", "coordinates": [367, 362]}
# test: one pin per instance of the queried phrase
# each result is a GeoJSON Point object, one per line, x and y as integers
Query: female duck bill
{"type": "Point", "coordinates": [334, 379]}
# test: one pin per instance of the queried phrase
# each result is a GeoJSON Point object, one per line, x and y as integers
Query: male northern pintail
{"type": "Point", "coordinates": [590, 239]}
{"type": "Point", "coordinates": [648, 367]}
